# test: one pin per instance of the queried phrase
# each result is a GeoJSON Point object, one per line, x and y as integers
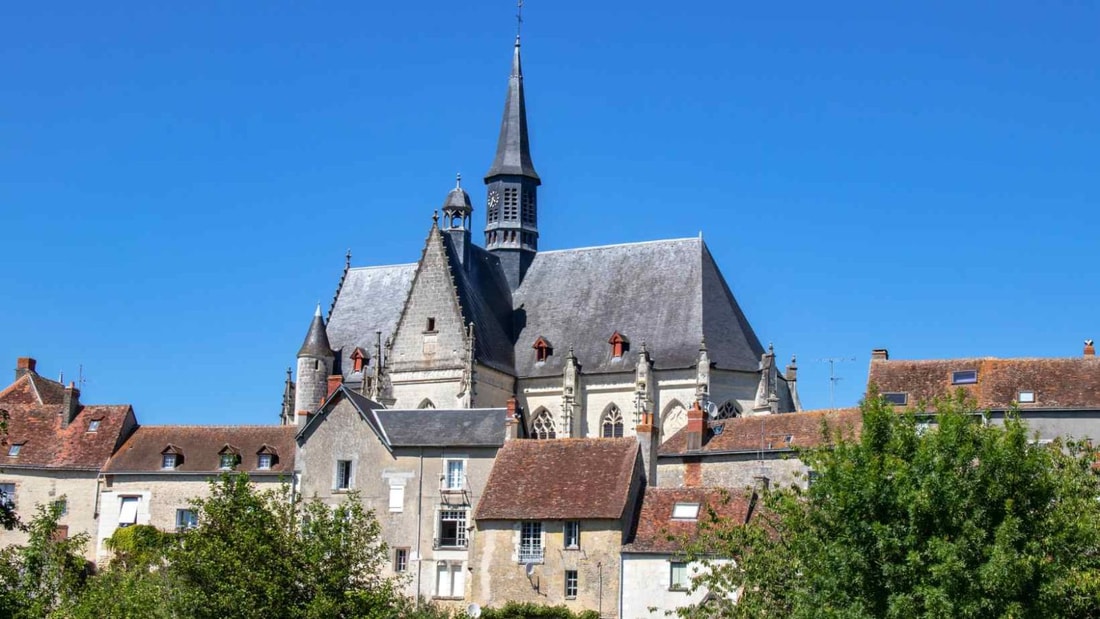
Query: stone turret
{"type": "Point", "coordinates": [315, 360]}
{"type": "Point", "coordinates": [456, 220]}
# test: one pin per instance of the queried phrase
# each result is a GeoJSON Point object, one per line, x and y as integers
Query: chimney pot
{"type": "Point", "coordinates": [334, 383]}
{"type": "Point", "coordinates": [1090, 350]}
{"type": "Point", "coordinates": [880, 354]}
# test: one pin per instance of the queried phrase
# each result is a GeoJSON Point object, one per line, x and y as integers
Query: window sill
{"type": "Point", "coordinates": [341, 490]}
{"type": "Point", "coordinates": [572, 548]}
{"type": "Point", "coordinates": [448, 598]}
{"type": "Point", "coordinates": [678, 589]}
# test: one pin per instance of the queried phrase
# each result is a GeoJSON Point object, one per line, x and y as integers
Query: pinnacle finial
{"type": "Point", "coordinates": [347, 259]}
{"type": "Point", "coordinates": [519, 19]}
{"type": "Point", "coordinates": [435, 218]}
{"type": "Point", "coordinates": [317, 312]}
{"type": "Point", "coordinates": [458, 180]}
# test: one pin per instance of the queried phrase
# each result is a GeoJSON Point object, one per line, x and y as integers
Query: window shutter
{"type": "Point", "coordinates": [397, 498]}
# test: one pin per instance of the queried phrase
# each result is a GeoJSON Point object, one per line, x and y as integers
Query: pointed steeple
{"type": "Point", "coordinates": [514, 146]}
{"type": "Point", "coordinates": [316, 343]}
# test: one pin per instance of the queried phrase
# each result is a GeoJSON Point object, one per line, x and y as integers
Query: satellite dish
{"type": "Point", "coordinates": [712, 410]}
{"type": "Point", "coordinates": [530, 568]}
{"type": "Point", "coordinates": [473, 611]}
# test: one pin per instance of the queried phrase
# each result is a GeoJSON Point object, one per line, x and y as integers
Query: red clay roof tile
{"type": "Point", "coordinates": [200, 447]}
{"type": "Point", "coordinates": [657, 531]}
{"type": "Point", "coordinates": [769, 432]}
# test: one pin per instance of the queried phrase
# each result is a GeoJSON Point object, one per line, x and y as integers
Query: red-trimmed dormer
{"type": "Point", "coordinates": [543, 349]}
{"type": "Point", "coordinates": [619, 345]}
{"type": "Point", "coordinates": [359, 359]}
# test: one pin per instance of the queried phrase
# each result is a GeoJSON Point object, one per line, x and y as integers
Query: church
{"type": "Point", "coordinates": [589, 342]}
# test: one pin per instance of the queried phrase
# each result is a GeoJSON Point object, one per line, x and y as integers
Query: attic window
{"type": "Point", "coordinates": [1026, 397]}
{"type": "Point", "coordinates": [358, 359]}
{"type": "Point", "coordinates": [228, 458]}
{"type": "Point", "coordinates": [964, 377]}
{"type": "Point", "coordinates": [543, 349]}
{"type": "Point", "coordinates": [430, 326]}
{"type": "Point", "coordinates": [619, 345]}
{"type": "Point", "coordinates": [263, 461]}
{"type": "Point", "coordinates": [93, 425]}
{"type": "Point", "coordinates": [900, 398]}
{"type": "Point", "coordinates": [685, 511]}
{"type": "Point", "coordinates": [13, 451]}
{"type": "Point", "coordinates": [169, 461]}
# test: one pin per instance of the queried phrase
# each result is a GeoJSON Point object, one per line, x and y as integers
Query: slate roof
{"type": "Point", "coordinates": [426, 427]}
{"type": "Point", "coordinates": [513, 154]}
{"type": "Point", "coordinates": [560, 479]}
{"type": "Point", "coordinates": [34, 405]}
{"type": "Point", "coordinates": [668, 294]}
{"type": "Point", "coordinates": [768, 432]}
{"type": "Point", "coordinates": [1058, 383]}
{"type": "Point", "coordinates": [485, 300]}
{"type": "Point", "coordinates": [657, 532]}
{"type": "Point", "coordinates": [316, 344]}
{"type": "Point", "coordinates": [200, 446]}
{"type": "Point", "coordinates": [370, 300]}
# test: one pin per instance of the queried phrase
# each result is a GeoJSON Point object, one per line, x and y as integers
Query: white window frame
{"type": "Point", "coordinates": [531, 548]}
{"type": "Point", "coordinates": [461, 516]}
{"type": "Point", "coordinates": [189, 523]}
{"type": "Point", "coordinates": [400, 560]}
{"type": "Point", "coordinates": [348, 477]}
{"type": "Point", "coordinates": [685, 511]}
{"type": "Point", "coordinates": [1026, 396]}
{"type": "Point", "coordinates": [93, 425]}
{"type": "Point", "coordinates": [572, 584]}
{"type": "Point", "coordinates": [684, 582]}
{"type": "Point", "coordinates": [455, 575]}
{"type": "Point", "coordinates": [260, 458]}
{"type": "Point", "coordinates": [233, 459]}
{"type": "Point", "coordinates": [571, 539]}
{"type": "Point", "coordinates": [7, 497]}
{"type": "Point", "coordinates": [450, 481]}
{"type": "Point", "coordinates": [164, 458]}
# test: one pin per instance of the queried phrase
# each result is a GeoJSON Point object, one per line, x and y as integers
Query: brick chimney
{"type": "Point", "coordinates": [880, 354]}
{"type": "Point", "coordinates": [511, 421]}
{"type": "Point", "coordinates": [696, 428]}
{"type": "Point", "coordinates": [24, 365]}
{"type": "Point", "coordinates": [647, 440]}
{"type": "Point", "coordinates": [70, 404]}
{"type": "Point", "coordinates": [1090, 350]}
{"type": "Point", "coordinates": [334, 383]}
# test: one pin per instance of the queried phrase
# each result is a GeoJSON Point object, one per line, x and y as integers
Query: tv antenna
{"type": "Point", "coordinates": [833, 378]}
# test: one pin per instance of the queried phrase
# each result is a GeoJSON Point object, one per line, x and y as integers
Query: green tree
{"type": "Point", "coordinates": [40, 577]}
{"type": "Point", "coordinates": [962, 520]}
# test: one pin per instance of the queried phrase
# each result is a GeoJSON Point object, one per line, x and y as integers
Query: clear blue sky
{"type": "Point", "coordinates": [179, 182]}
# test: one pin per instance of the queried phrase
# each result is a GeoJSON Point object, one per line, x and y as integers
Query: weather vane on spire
{"type": "Point", "coordinates": [519, 17]}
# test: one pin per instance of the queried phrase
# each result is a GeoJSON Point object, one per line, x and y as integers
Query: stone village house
{"type": "Point", "coordinates": [421, 471]}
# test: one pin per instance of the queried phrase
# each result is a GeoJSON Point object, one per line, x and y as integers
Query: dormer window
{"type": "Point", "coordinates": [15, 448]}
{"type": "Point", "coordinates": [619, 345]}
{"type": "Point", "coordinates": [266, 458]}
{"type": "Point", "coordinates": [964, 377]}
{"type": "Point", "coordinates": [93, 425]}
{"type": "Point", "coordinates": [359, 360]}
{"type": "Point", "coordinates": [543, 349]}
{"type": "Point", "coordinates": [171, 457]}
{"type": "Point", "coordinates": [228, 458]}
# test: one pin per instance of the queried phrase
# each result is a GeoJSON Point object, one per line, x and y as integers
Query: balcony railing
{"type": "Point", "coordinates": [453, 485]}
{"type": "Point", "coordinates": [457, 543]}
{"type": "Point", "coordinates": [530, 554]}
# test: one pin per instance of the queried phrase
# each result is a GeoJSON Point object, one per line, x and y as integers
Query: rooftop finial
{"type": "Point", "coordinates": [347, 259]}
{"type": "Point", "coordinates": [317, 312]}
{"type": "Point", "coordinates": [458, 180]}
{"type": "Point", "coordinates": [519, 19]}
{"type": "Point", "coordinates": [435, 218]}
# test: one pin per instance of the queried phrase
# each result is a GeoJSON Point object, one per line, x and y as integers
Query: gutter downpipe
{"type": "Point", "coordinates": [419, 523]}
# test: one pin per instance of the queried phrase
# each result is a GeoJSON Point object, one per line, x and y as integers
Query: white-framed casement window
{"type": "Point", "coordinates": [168, 461]}
{"type": "Point", "coordinates": [452, 529]}
{"type": "Point", "coordinates": [530, 541]}
{"type": "Point", "coordinates": [400, 560]}
{"type": "Point", "coordinates": [677, 576]}
{"type": "Point", "coordinates": [454, 475]}
{"type": "Point", "coordinates": [571, 584]}
{"type": "Point", "coordinates": [186, 519]}
{"type": "Point", "coordinates": [264, 461]}
{"type": "Point", "coordinates": [227, 461]}
{"type": "Point", "coordinates": [572, 534]}
{"type": "Point", "coordinates": [397, 496]}
{"type": "Point", "coordinates": [450, 579]}
{"type": "Point", "coordinates": [7, 495]}
{"type": "Point", "coordinates": [343, 479]}
{"type": "Point", "coordinates": [127, 510]}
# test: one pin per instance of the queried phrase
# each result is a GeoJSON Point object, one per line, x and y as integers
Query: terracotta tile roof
{"type": "Point", "coordinates": [200, 447]}
{"type": "Point", "coordinates": [768, 432]}
{"type": "Point", "coordinates": [1058, 383]}
{"type": "Point", "coordinates": [560, 479]}
{"type": "Point", "coordinates": [34, 407]}
{"type": "Point", "coordinates": [657, 531]}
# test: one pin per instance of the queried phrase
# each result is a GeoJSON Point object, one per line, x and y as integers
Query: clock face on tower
{"type": "Point", "coordinates": [494, 199]}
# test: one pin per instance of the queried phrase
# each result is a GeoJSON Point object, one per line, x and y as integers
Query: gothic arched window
{"type": "Point", "coordinates": [729, 410]}
{"type": "Point", "coordinates": [543, 427]}
{"type": "Point", "coordinates": [612, 425]}
{"type": "Point", "coordinates": [426, 403]}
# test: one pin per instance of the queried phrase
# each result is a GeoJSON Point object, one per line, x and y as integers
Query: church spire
{"type": "Point", "coordinates": [514, 145]}
{"type": "Point", "coordinates": [511, 214]}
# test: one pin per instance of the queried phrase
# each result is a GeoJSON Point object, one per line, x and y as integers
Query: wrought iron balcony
{"type": "Point", "coordinates": [452, 543]}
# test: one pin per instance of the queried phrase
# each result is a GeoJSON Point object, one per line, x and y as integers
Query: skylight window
{"type": "Point", "coordinates": [964, 377]}
{"type": "Point", "coordinates": [685, 511]}
{"type": "Point", "coordinates": [1026, 397]}
{"type": "Point", "coordinates": [13, 451]}
{"type": "Point", "coordinates": [93, 425]}
{"type": "Point", "coordinates": [897, 399]}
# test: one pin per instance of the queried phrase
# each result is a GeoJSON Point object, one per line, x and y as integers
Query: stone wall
{"type": "Point", "coordinates": [731, 470]}
{"type": "Point", "coordinates": [39, 487]}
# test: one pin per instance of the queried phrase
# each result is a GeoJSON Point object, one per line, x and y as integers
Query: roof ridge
{"type": "Point", "coordinates": [383, 266]}
{"type": "Point", "coordinates": [628, 244]}
{"type": "Point", "coordinates": [199, 425]}
{"type": "Point", "coordinates": [1074, 358]}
